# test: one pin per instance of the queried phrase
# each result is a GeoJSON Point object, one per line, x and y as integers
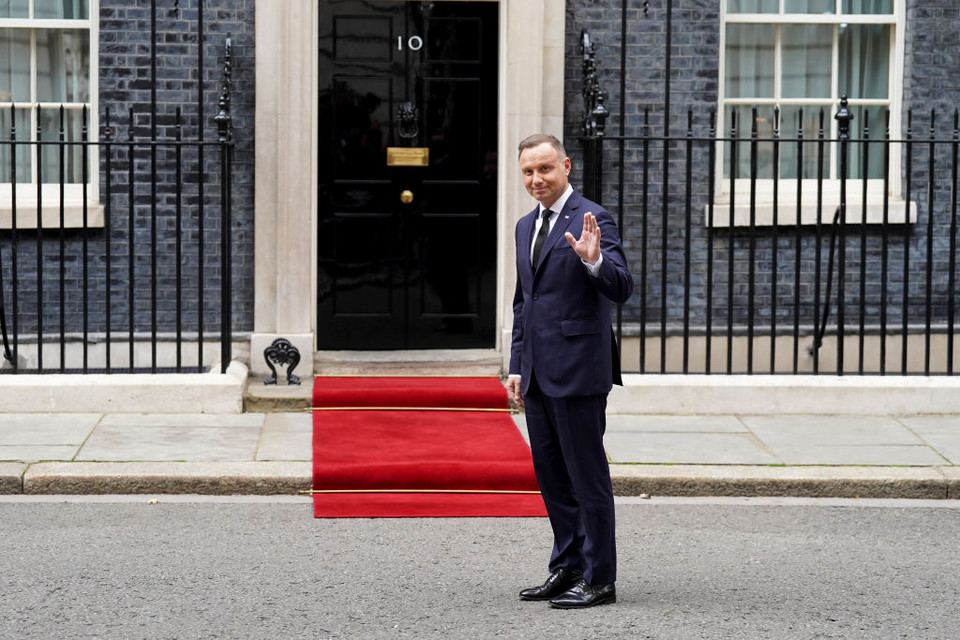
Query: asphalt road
{"type": "Point", "coordinates": [121, 567]}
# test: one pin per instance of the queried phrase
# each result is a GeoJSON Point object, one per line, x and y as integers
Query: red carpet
{"type": "Point", "coordinates": [418, 447]}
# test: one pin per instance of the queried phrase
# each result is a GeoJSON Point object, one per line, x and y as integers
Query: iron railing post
{"type": "Point", "coordinates": [843, 117]}
{"type": "Point", "coordinates": [594, 122]}
{"type": "Point", "coordinates": [224, 122]}
{"type": "Point", "coordinates": [12, 356]}
{"type": "Point", "coordinates": [108, 237]}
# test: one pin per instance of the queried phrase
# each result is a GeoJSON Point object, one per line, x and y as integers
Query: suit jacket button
{"type": "Point", "coordinates": [536, 296]}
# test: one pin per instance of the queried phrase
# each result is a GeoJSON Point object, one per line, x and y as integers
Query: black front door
{"type": "Point", "coordinates": [407, 175]}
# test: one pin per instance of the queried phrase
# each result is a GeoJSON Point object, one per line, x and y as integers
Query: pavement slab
{"type": "Point", "coordinates": [676, 424]}
{"type": "Point", "coordinates": [942, 433]}
{"type": "Point", "coordinates": [286, 436]}
{"type": "Point", "coordinates": [46, 428]}
{"type": "Point", "coordinates": [35, 452]}
{"type": "Point", "coordinates": [686, 448]}
{"type": "Point", "coordinates": [119, 442]}
{"type": "Point", "coordinates": [197, 420]}
{"type": "Point", "coordinates": [830, 430]}
{"type": "Point", "coordinates": [842, 440]}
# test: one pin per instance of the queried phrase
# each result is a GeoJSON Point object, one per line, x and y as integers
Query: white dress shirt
{"type": "Point", "coordinates": [556, 208]}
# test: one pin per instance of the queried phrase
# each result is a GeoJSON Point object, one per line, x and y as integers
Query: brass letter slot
{"type": "Point", "coordinates": [408, 156]}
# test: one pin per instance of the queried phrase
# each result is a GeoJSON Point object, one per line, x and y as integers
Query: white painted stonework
{"type": "Point", "coordinates": [531, 100]}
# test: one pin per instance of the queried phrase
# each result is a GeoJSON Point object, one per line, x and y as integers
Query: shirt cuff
{"type": "Point", "coordinates": [593, 269]}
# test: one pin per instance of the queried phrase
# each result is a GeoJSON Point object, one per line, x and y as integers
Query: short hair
{"type": "Point", "coordinates": [538, 139]}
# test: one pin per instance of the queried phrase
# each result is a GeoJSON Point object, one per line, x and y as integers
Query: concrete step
{"type": "Point", "coordinates": [281, 397]}
{"type": "Point", "coordinates": [277, 398]}
{"type": "Point", "coordinates": [425, 362]}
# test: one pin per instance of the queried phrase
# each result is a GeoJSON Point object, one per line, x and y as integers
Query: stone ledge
{"type": "Point", "coordinates": [208, 478]}
{"type": "Point", "coordinates": [11, 477]}
{"type": "Point", "coordinates": [812, 482]}
{"type": "Point", "coordinates": [699, 394]}
{"type": "Point", "coordinates": [125, 393]}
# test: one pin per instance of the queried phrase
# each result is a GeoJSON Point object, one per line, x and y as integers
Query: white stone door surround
{"type": "Point", "coordinates": [287, 52]}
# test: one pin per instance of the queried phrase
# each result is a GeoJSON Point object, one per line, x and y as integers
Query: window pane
{"type": "Point", "coordinates": [63, 65]}
{"type": "Point", "coordinates": [764, 150]}
{"type": "Point", "coordinates": [809, 6]}
{"type": "Point", "coordinates": [72, 123]}
{"type": "Point", "coordinates": [872, 7]}
{"type": "Point", "coordinates": [790, 126]}
{"type": "Point", "coordinates": [864, 60]}
{"type": "Point", "coordinates": [60, 9]}
{"type": "Point", "coordinates": [806, 60]}
{"type": "Point", "coordinates": [873, 119]}
{"type": "Point", "coordinates": [14, 8]}
{"type": "Point", "coordinates": [23, 150]}
{"type": "Point", "coordinates": [752, 6]}
{"type": "Point", "coordinates": [749, 61]}
{"type": "Point", "coordinates": [14, 65]}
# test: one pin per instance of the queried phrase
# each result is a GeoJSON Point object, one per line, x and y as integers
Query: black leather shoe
{"type": "Point", "coordinates": [558, 582]}
{"type": "Point", "coordinates": [582, 595]}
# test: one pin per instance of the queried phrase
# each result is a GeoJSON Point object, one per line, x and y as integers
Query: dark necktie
{"type": "Point", "coordinates": [541, 235]}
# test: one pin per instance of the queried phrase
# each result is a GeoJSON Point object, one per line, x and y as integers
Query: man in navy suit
{"type": "Point", "coordinates": [563, 362]}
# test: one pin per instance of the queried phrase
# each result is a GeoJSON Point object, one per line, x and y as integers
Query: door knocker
{"type": "Point", "coordinates": [407, 116]}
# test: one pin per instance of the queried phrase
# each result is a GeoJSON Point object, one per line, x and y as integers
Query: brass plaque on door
{"type": "Point", "coordinates": [408, 156]}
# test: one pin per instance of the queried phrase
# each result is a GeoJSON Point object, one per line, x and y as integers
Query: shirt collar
{"type": "Point", "coordinates": [561, 202]}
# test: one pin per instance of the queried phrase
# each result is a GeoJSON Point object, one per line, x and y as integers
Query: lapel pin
{"type": "Point", "coordinates": [566, 217]}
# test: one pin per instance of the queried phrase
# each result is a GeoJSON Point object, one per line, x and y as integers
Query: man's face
{"type": "Point", "coordinates": [544, 173]}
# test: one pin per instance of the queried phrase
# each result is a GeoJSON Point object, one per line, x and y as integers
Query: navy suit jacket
{"type": "Point", "coordinates": [561, 314]}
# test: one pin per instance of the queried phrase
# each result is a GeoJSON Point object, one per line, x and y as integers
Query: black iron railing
{"type": "Point", "coordinates": [734, 281]}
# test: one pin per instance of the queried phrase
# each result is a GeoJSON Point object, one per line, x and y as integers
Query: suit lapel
{"type": "Point", "coordinates": [529, 221]}
{"type": "Point", "coordinates": [569, 214]}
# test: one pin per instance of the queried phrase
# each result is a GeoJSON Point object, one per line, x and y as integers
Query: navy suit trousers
{"type": "Point", "coordinates": [566, 439]}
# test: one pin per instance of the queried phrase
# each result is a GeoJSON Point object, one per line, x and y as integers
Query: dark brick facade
{"type": "Point", "coordinates": [126, 82]}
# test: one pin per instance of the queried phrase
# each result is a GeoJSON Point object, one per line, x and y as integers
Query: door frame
{"type": "Point", "coordinates": [531, 54]}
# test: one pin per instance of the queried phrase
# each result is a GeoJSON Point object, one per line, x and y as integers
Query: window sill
{"type": "Point", "coordinates": [72, 216]}
{"type": "Point", "coordinates": [897, 213]}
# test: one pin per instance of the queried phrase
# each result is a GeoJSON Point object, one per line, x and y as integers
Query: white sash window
{"type": "Point", "coordinates": [47, 60]}
{"type": "Point", "coordinates": [801, 56]}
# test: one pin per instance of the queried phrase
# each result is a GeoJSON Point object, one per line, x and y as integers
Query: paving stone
{"type": "Point", "coordinates": [842, 440]}
{"type": "Point", "coordinates": [672, 423]}
{"type": "Point", "coordinates": [143, 443]}
{"type": "Point", "coordinates": [686, 448]}
{"type": "Point", "coordinates": [829, 430]}
{"type": "Point", "coordinates": [293, 421]}
{"type": "Point", "coordinates": [183, 420]}
{"type": "Point", "coordinates": [285, 445]}
{"type": "Point", "coordinates": [46, 428]}
{"type": "Point", "coordinates": [36, 452]}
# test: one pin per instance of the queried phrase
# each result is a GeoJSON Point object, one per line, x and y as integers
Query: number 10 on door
{"type": "Point", "coordinates": [414, 43]}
